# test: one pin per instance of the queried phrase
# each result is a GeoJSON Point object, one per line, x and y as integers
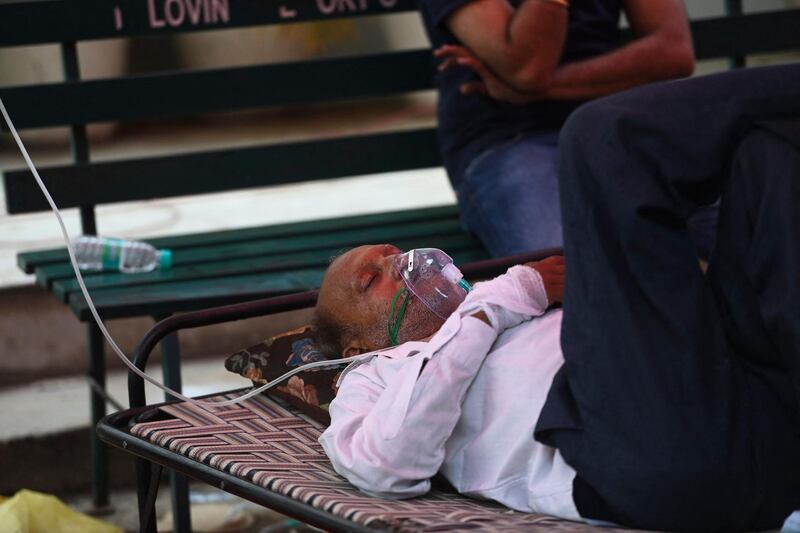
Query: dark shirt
{"type": "Point", "coordinates": [468, 125]}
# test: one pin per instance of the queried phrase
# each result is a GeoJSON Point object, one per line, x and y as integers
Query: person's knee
{"type": "Point", "coordinates": [592, 140]}
{"type": "Point", "coordinates": [611, 126]}
{"type": "Point", "coordinates": [589, 153]}
{"type": "Point", "coordinates": [765, 173]}
{"type": "Point", "coordinates": [583, 129]}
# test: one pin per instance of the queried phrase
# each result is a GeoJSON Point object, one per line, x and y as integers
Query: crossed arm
{"type": "Point", "coordinates": [516, 53]}
{"type": "Point", "coordinates": [522, 46]}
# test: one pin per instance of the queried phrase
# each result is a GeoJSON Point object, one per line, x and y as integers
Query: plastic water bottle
{"type": "Point", "coordinates": [129, 257]}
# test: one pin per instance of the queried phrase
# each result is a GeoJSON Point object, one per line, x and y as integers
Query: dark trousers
{"type": "Point", "coordinates": [678, 404]}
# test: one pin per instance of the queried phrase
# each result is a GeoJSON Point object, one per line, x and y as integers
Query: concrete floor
{"type": "Point", "coordinates": [61, 404]}
{"type": "Point", "coordinates": [211, 509]}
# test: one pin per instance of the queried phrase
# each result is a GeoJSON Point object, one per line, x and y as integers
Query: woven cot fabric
{"type": "Point", "coordinates": [271, 444]}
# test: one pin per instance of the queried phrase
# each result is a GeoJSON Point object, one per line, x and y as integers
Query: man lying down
{"type": "Point", "coordinates": [661, 397]}
{"type": "Point", "coordinates": [459, 396]}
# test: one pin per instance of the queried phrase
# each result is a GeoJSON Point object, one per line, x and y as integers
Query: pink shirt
{"type": "Point", "coordinates": [464, 403]}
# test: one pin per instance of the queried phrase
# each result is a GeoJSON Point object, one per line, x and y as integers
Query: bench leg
{"type": "Point", "coordinates": [148, 477]}
{"type": "Point", "coordinates": [181, 506]}
{"type": "Point", "coordinates": [179, 485]}
{"type": "Point", "coordinates": [99, 451]}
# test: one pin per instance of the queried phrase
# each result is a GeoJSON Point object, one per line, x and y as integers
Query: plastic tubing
{"type": "Point", "coordinates": [125, 359]}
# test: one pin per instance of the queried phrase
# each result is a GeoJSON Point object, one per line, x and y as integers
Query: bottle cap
{"type": "Point", "coordinates": [165, 258]}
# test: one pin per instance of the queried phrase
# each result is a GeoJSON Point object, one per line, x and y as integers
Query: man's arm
{"type": "Point", "coordinates": [522, 46]}
{"type": "Point", "coordinates": [388, 437]}
{"type": "Point", "coordinates": [662, 49]}
{"type": "Point", "coordinates": [389, 441]}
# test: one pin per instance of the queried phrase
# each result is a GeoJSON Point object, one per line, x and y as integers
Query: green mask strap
{"type": "Point", "coordinates": [393, 324]}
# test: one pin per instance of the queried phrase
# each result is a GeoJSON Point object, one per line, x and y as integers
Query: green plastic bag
{"type": "Point", "coordinates": [33, 512]}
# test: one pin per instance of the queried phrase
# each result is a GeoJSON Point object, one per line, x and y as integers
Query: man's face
{"type": "Point", "coordinates": [359, 287]}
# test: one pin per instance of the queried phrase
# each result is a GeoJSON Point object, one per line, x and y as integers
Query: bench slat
{"type": "Point", "coordinates": [739, 35]}
{"type": "Point", "coordinates": [223, 170]}
{"type": "Point", "coordinates": [191, 295]}
{"type": "Point", "coordinates": [164, 299]}
{"type": "Point", "coordinates": [47, 21]}
{"type": "Point", "coordinates": [63, 289]}
{"type": "Point", "coordinates": [29, 261]}
{"type": "Point", "coordinates": [183, 93]}
{"type": "Point", "coordinates": [188, 263]}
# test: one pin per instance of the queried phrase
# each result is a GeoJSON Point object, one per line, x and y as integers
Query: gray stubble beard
{"type": "Point", "coordinates": [418, 323]}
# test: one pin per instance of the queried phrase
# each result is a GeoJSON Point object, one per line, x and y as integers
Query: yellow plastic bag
{"type": "Point", "coordinates": [34, 512]}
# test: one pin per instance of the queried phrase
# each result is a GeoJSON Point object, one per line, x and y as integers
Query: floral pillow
{"type": "Point", "coordinates": [310, 391]}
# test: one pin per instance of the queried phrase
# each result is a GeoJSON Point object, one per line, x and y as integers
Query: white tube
{"type": "Point", "coordinates": [125, 359]}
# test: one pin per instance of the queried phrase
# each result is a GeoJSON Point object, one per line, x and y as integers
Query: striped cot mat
{"type": "Point", "coordinates": [272, 445]}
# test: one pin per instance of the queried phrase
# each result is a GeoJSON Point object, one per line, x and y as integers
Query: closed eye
{"type": "Point", "coordinates": [367, 282]}
{"type": "Point", "coordinates": [372, 278]}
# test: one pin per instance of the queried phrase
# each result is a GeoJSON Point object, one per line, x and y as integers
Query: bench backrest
{"type": "Point", "coordinates": [76, 103]}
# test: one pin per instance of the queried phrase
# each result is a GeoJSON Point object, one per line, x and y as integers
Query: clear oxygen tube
{"type": "Point", "coordinates": [125, 359]}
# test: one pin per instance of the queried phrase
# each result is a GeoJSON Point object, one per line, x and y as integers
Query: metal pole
{"type": "Point", "coordinates": [734, 8]}
{"type": "Point", "coordinates": [99, 451]}
{"type": "Point", "coordinates": [97, 366]}
{"type": "Point", "coordinates": [179, 484]}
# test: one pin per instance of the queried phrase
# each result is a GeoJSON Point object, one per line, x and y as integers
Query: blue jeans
{"type": "Point", "coordinates": [509, 198]}
{"type": "Point", "coordinates": [509, 195]}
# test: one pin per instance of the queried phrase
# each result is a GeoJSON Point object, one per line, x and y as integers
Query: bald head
{"type": "Point", "coordinates": [355, 300]}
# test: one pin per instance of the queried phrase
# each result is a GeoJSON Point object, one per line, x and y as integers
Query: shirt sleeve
{"type": "Point", "coordinates": [508, 300]}
{"type": "Point", "coordinates": [437, 11]}
{"type": "Point", "coordinates": [388, 437]}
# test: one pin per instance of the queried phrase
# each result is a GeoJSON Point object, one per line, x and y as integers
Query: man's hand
{"type": "Point", "coordinates": [552, 271]}
{"type": "Point", "coordinates": [480, 315]}
{"type": "Point", "coordinates": [522, 43]}
{"type": "Point", "coordinates": [490, 84]}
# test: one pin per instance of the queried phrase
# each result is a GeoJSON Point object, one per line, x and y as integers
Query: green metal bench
{"type": "Point", "coordinates": [219, 268]}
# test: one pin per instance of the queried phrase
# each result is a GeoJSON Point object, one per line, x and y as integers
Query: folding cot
{"type": "Point", "coordinates": [266, 450]}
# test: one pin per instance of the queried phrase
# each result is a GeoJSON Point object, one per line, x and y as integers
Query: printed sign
{"type": "Point", "coordinates": [153, 16]}
{"type": "Point", "coordinates": [329, 7]}
{"type": "Point", "coordinates": [176, 13]}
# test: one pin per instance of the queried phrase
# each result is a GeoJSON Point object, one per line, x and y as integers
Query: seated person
{"type": "Point", "coordinates": [672, 400]}
{"type": "Point", "coordinates": [511, 73]}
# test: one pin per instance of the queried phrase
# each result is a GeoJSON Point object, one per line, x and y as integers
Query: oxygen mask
{"type": "Point", "coordinates": [430, 275]}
